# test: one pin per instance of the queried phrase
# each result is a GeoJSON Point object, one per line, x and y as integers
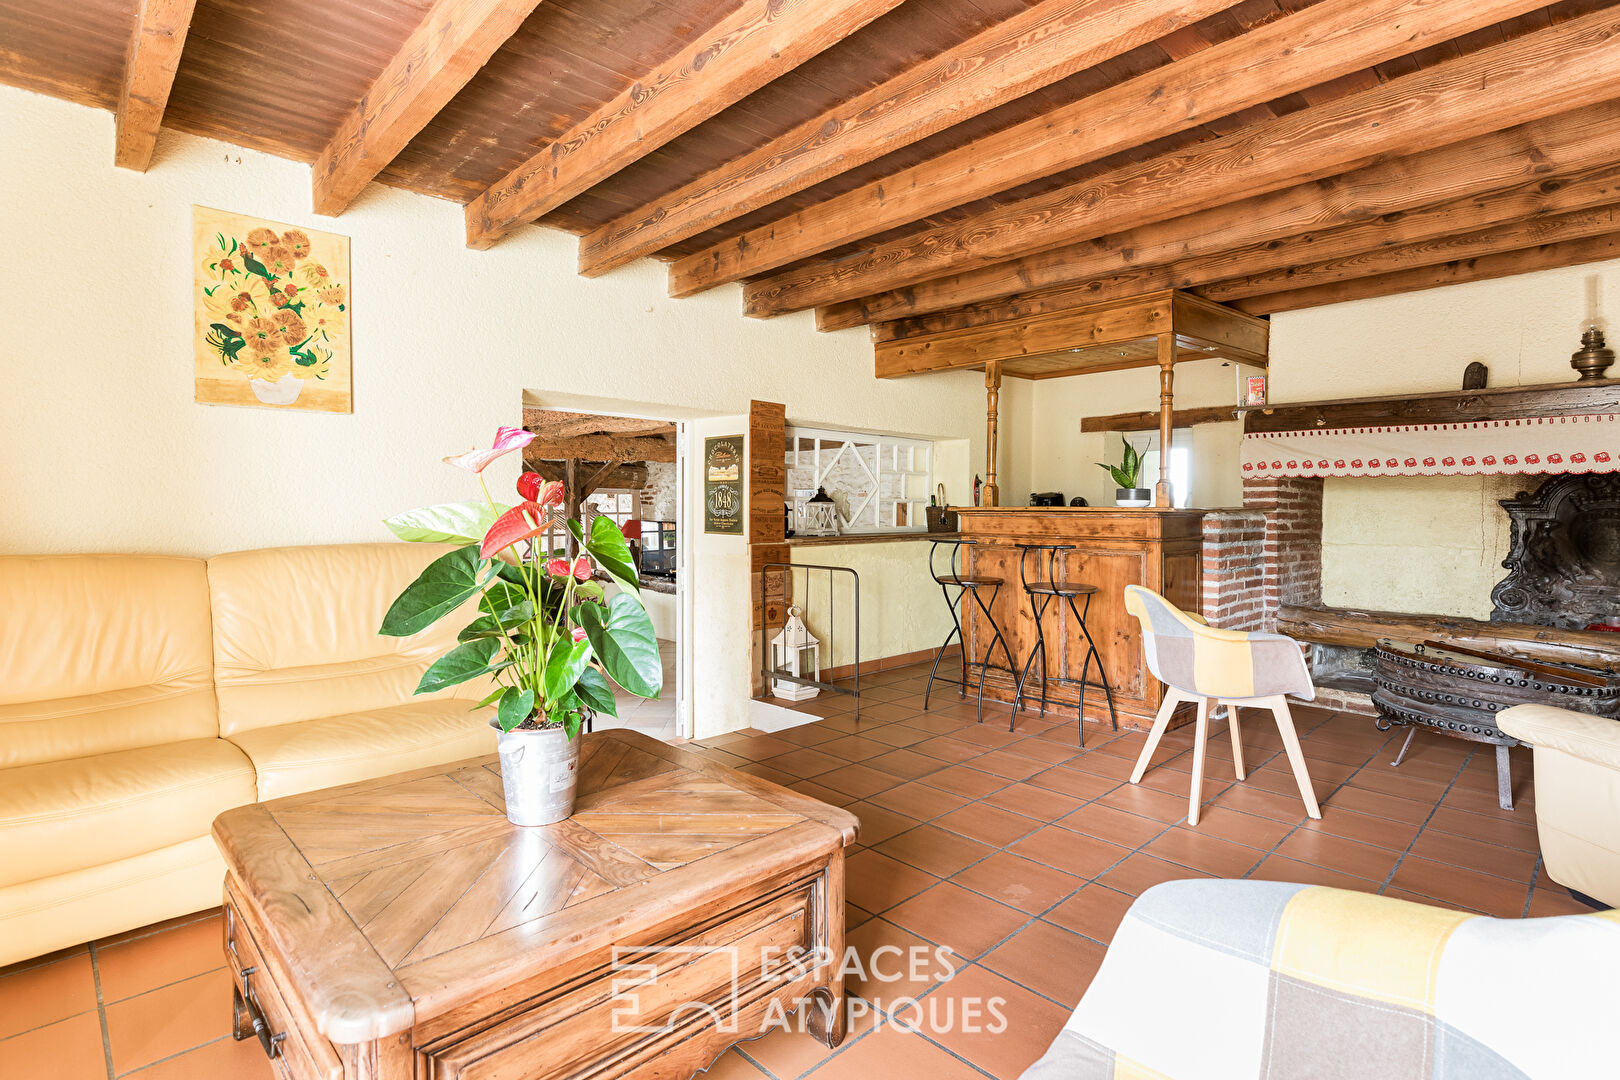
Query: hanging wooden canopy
{"type": "Point", "coordinates": [1159, 329]}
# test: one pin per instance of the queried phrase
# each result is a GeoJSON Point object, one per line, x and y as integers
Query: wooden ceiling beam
{"type": "Point", "coordinates": [1479, 267]}
{"type": "Point", "coordinates": [149, 66]}
{"type": "Point", "coordinates": [602, 448]}
{"type": "Point", "coordinates": [454, 40]}
{"type": "Point", "coordinates": [1512, 234]}
{"type": "Point", "coordinates": [1540, 74]}
{"type": "Point", "coordinates": [558, 423]}
{"type": "Point", "coordinates": [633, 477]}
{"type": "Point", "coordinates": [1517, 161]}
{"type": "Point", "coordinates": [1035, 48]}
{"type": "Point", "coordinates": [1146, 421]}
{"type": "Point", "coordinates": [742, 52]}
{"type": "Point", "coordinates": [1330, 39]}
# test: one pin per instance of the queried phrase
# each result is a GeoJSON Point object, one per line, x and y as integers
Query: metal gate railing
{"type": "Point", "coordinates": [770, 673]}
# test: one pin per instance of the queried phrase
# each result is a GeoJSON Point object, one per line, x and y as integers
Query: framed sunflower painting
{"type": "Point", "coordinates": [271, 323]}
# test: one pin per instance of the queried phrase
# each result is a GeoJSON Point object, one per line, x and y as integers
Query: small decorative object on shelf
{"type": "Point", "coordinates": [795, 652]}
{"type": "Point", "coordinates": [546, 636]}
{"type": "Point", "coordinates": [820, 515]}
{"type": "Point", "coordinates": [1474, 376]}
{"type": "Point", "coordinates": [1128, 474]}
{"type": "Point", "coordinates": [1594, 356]}
{"type": "Point", "coordinates": [1254, 391]}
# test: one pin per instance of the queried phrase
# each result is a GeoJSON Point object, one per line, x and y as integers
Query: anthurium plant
{"type": "Point", "coordinates": [545, 631]}
{"type": "Point", "coordinates": [1129, 470]}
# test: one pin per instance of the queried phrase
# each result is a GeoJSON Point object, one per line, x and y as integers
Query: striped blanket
{"type": "Point", "coordinates": [1239, 980]}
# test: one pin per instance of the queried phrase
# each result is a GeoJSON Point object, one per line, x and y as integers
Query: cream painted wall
{"type": "Point", "coordinates": [901, 607]}
{"type": "Point", "coordinates": [105, 450]}
{"type": "Point", "coordinates": [1419, 544]}
{"type": "Point", "coordinates": [1046, 451]}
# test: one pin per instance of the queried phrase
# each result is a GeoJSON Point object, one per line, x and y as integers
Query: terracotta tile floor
{"type": "Point", "coordinates": [1020, 852]}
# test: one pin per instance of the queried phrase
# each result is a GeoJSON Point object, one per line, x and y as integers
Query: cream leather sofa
{"type": "Point", "coordinates": [1577, 763]}
{"type": "Point", "coordinates": [140, 696]}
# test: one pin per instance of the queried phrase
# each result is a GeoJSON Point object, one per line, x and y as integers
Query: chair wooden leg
{"type": "Point", "coordinates": [1237, 739]}
{"type": "Point", "coordinates": [1199, 738]}
{"type": "Point", "coordinates": [1172, 698]}
{"type": "Point", "coordinates": [1296, 757]}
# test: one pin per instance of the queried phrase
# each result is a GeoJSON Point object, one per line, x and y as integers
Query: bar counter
{"type": "Point", "coordinates": [1112, 548]}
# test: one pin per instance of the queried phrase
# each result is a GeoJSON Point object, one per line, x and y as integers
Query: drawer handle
{"type": "Point", "coordinates": [261, 1026]}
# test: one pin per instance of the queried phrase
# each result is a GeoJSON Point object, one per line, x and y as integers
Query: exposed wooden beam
{"type": "Point", "coordinates": [723, 64]}
{"type": "Point", "coordinates": [622, 476]}
{"type": "Point", "coordinates": [454, 40]}
{"type": "Point", "coordinates": [149, 66]}
{"type": "Point", "coordinates": [1512, 235]}
{"type": "Point", "coordinates": [1438, 407]}
{"type": "Point", "coordinates": [557, 423]}
{"type": "Point", "coordinates": [1035, 48]}
{"type": "Point", "coordinates": [1520, 159]}
{"type": "Point", "coordinates": [1322, 42]}
{"type": "Point", "coordinates": [602, 448]}
{"type": "Point", "coordinates": [1480, 268]}
{"type": "Point", "coordinates": [1537, 75]}
{"type": "Point", "coordinates": [1146, 421]}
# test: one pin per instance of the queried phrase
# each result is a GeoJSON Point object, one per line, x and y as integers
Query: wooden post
{"type": "Point", "coordinates": [1167, 360]}
{"type": "Point", "coordinates": [992, 388]}
{"type": "Point", "coordinates": [573, 499]}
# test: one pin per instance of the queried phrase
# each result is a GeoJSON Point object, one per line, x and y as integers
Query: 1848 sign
{"type": "Point", "coordinates": [722, 485]}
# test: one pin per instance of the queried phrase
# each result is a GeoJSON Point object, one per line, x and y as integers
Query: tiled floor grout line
{"type": "Point", "coordinates": [1461, 769]}
{"type": "Point", "coordinates": [179, 1053]}
{"type": "Point", "coordinates": [101, 1012]}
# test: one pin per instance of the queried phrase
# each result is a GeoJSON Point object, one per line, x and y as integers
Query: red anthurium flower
{"type": "Point", "coordinates": [528, 486]}
{"type": "Point", "coordinates": [551, 494]}
{"type": "Point", "coordinates": [578, 634]}
{"type": "Point", "coordinates": [507, 439]}
{"type": "Point", "coordinates": [580, 568]}
{"type": "Point", "coordinates": [516, 525]}
{"type": "Point", "coordinates": [583, 569]}
{"type": "Point", "coordinates": [557, 568]}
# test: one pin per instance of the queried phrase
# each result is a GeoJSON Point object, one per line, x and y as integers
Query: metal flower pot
{"type": "Point", "coordinates": [539, 769]}
{"type": "Point", "coordinates": [1133, 496]}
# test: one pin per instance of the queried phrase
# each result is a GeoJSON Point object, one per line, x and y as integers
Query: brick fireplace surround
{"type": "Point", "coordinates": [1265, 555]}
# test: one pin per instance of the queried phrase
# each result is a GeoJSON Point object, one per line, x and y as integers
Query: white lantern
{"type": "Point", "coordinates": [821, 515]}
{"type": "Point", "coordinates": [795, 652]}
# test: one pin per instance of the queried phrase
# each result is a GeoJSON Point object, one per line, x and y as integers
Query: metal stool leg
{"type": "Point", "coordinates": [1091, 650]}
{"type": "Point", "coordinates": [956, 632]}
{"type": "Point", "coordinates": [985, 665]}
{"type": "Point", "coordinates": [1038, 609]}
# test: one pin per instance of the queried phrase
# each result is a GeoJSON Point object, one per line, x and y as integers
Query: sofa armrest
{"type": "Point", "coordinates": [1590, 738]}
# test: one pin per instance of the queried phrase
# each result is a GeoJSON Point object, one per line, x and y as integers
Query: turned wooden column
{"type": "Point", "coordinates": [1167, 360]}
{"type": "Point", "coordinates": [992, 393]}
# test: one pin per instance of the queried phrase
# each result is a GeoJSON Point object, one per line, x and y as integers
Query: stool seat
{"type": "Point", "coordinates": [967, 582]}
{"type": "Point", "coordinates": [1060, 588]}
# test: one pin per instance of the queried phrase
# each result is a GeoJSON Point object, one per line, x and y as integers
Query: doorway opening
{"type": "Point", "coordinates": [627, 469]}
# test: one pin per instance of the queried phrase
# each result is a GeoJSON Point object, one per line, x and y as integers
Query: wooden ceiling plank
{"type": "Point", "coordinates": [602, 448]}
{"type": "Point", "coordinates": [149, 67]}
{"type": "Point", "coordinates": [1513, 164]}
{"type": "Point", "coordinates": [455, 39]}
{"type": "Point", "coordinates": [1483, 268]}
{"type": "Point", "coordinates": [1531, 77]}
{"type": "Point", "coordinates": [1534, 234]}
{"type": "Point", "coordinates": [722, 64]}
{"type": "Point", "coordinates": [1145, 421]}
{"type": "Point", "coordinates": [1333, 38]}
{"type": "Point", "coordinates": [1035, 48]}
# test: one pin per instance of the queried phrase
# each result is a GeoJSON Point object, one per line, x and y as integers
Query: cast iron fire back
{"type": "Point", "coordinates": [1564, 558]}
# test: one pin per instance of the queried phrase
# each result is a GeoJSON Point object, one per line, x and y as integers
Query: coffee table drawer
{"type": "Point", "coordinates": [631, 1009]}
{"type": "Point", "coordinates": [295, 1050]}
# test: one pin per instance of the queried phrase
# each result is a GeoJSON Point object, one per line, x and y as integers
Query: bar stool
{"type": "Point", "coordinates": [965, 585]}
{"type": "Point", "coordinates": [1041, 593]}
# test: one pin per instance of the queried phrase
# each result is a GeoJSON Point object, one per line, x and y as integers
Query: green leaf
{"type": "Point", "coordinates": [597, 693]}
{"type": "Point", "coordinates": [489, 698]}
{"type": "Point", "coordinates": [611, 551]}
{"type": "Point", "coordinates": [568, 658]}
{"type": "Point", "coordinates": [484, 626]}
{"type": "Point", "coordinates": [466, 661]}
{"type": "Point", "coordinates": [447, 583]}
{"type": "Point", "coordinates": [624, 641]}
{"type": "Point", "coordinates": [589, 590]}
{"type": "Point", "coordinates": [509, 604]}
{"type": "Point", "coordinates": [515, 707]}
{"type": "Point", "coordinates": [447, 523]}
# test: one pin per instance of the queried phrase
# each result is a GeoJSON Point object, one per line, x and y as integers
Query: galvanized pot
{"type": "Point", "coordinates": [539, 769]}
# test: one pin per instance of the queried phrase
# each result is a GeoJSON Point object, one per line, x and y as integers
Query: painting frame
{"type": "Point", "coordinates": [723, 485]}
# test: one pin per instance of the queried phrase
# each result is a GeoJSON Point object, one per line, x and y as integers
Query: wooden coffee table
{"type": "Point", "coordinates": [401, 927]}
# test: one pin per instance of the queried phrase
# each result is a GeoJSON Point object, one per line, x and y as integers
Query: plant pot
{"type": "Point", "coordinates": [539, 771]}
{"type": "Point", "coordinates": [1133, 496]}
{"type": "Point", "coordinates": [284, 391]}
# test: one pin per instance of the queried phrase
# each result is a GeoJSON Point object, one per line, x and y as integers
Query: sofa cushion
{"type": "Point", "coordinates": [60, 816]}
{"type": "Point", "coordinates": [102, 653]}
{"type": "Point", "coordinates": [294, 758]}
{"type": "Point", "coordinates": [295, 633]}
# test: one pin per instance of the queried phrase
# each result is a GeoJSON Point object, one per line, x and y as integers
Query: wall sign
{"type": "Point", "coordinates": [722, 485]}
